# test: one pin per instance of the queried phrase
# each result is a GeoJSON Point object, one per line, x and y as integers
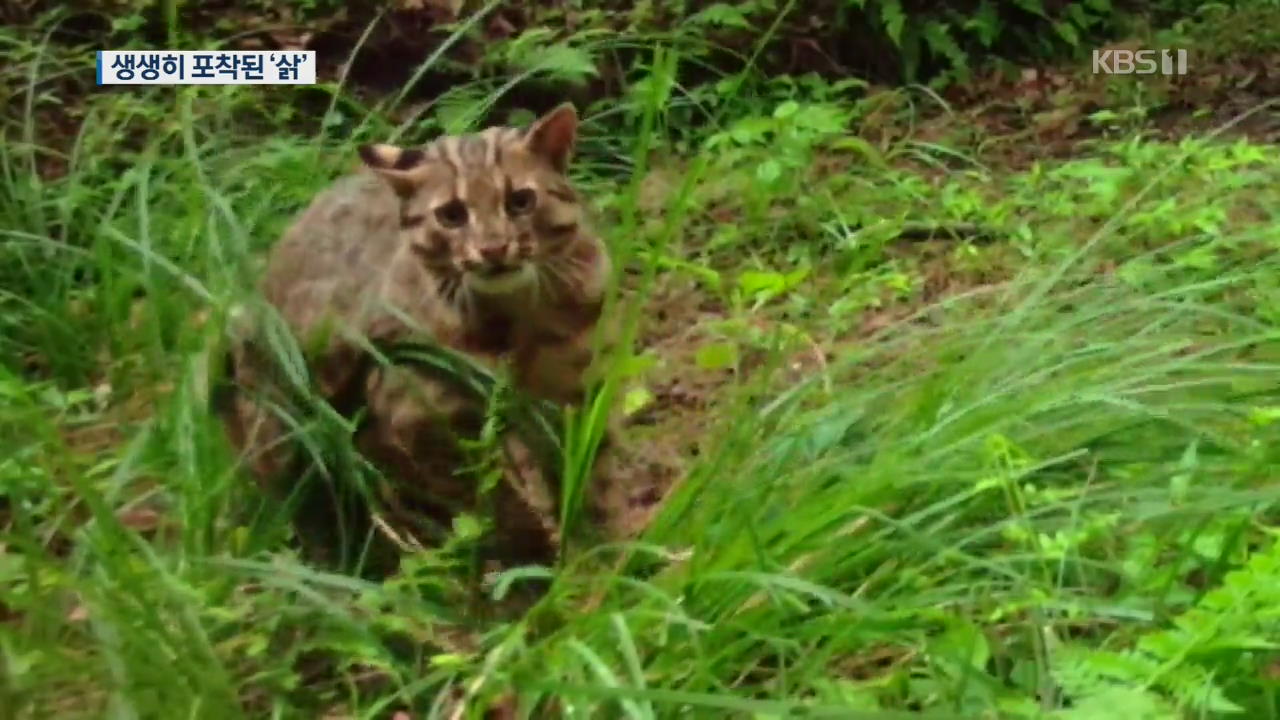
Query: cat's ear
{"type": "Point", "coordinates": [399, 167]}
{"type": "Point", "coordinates": [552, 136]}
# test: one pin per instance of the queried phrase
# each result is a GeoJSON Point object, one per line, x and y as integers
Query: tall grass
{"type": "Point", "coordinates": [1029, 468]}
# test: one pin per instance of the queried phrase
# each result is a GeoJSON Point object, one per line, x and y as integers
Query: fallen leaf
{"type": "Point", "coordinates": [717, 356]}
{"type": "Point", "coordinates": [139, 519]}
{"type": "Point", "coordinates": [636, 400]}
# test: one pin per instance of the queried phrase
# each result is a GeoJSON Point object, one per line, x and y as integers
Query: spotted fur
{"type": "Point", "coordinates": [478, 241]}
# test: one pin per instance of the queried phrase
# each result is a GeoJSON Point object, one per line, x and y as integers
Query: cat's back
{"type": "Point", "coordinates": [336, 251]}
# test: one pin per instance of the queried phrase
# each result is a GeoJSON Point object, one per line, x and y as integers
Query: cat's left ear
{"type": "Point", "coordinates": [552, 136]}
{"type": "Point", "coordinates": [400, 167]}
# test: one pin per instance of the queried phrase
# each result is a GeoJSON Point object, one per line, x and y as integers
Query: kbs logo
{"type": "Point", "coordinates": [1140, 62]}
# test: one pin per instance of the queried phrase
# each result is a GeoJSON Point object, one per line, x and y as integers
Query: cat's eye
{"type": "Point", "coordinates": [520, 201]}
{"type": "Point", "coordinates": [452, 214]}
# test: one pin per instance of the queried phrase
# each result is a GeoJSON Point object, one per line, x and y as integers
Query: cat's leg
{"type": "Point", "coordinates": [554, 367]}
{"type": "Point", "coordinates": [559, 369]}
{"type": "Point", "coordinates": [418, 425]}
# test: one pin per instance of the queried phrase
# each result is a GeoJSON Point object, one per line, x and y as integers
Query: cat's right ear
{"type": "Point", "coordinates": [399, 167]}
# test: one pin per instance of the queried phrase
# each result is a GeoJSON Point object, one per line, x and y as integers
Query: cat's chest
{"type": "Point", "coordinates": [498, 325]}
{"type": "Point", "coordinates": [504, 325]}
{"type": "Point", "coordinates": [489, 333]}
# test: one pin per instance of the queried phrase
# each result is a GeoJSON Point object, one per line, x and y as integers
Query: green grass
{"type": "Point", "coordinates": [1047, 493]}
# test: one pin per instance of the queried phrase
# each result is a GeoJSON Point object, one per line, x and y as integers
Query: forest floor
{"type": "Point", "coordinates": [974, 395]}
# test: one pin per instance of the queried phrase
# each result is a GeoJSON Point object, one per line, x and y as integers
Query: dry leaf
{"type": "Point", "coordinates": [139, 519]}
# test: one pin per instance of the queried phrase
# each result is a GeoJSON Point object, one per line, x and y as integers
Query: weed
{"type": "Point", "coordinates": [1025, 477]}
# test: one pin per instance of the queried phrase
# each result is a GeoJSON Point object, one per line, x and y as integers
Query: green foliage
{"type": "Point", "coordinates": [1041, 491]}
{"type": "Point", "coordinates": [1190, 662]}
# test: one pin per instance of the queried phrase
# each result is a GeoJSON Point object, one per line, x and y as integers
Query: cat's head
{"type": "Point", "coordinates": [493, 205]}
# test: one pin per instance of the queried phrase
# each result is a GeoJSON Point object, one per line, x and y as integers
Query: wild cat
{"type": "Point", "coordinates": [477, 241]}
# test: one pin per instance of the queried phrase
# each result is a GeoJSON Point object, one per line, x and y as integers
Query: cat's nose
{"type": "Point", "coordinates": [494, 253]}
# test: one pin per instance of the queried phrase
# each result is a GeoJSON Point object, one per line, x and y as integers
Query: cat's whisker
{"type": "Point", "coordinates": [576, 266]}
{"type": "Point", "coordinates": [560, 279]}
{"type": "Point", "coordinates": [539, 284]}
{"type": "Point", "coordinates": [466, 300]}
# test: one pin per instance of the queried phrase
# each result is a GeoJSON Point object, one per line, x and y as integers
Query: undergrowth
{"type": "Point", "coordinates": [1040, 489]}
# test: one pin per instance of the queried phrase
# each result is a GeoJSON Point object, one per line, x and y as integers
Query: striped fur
{"type": "Point", "coordinates": [493, 208]}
